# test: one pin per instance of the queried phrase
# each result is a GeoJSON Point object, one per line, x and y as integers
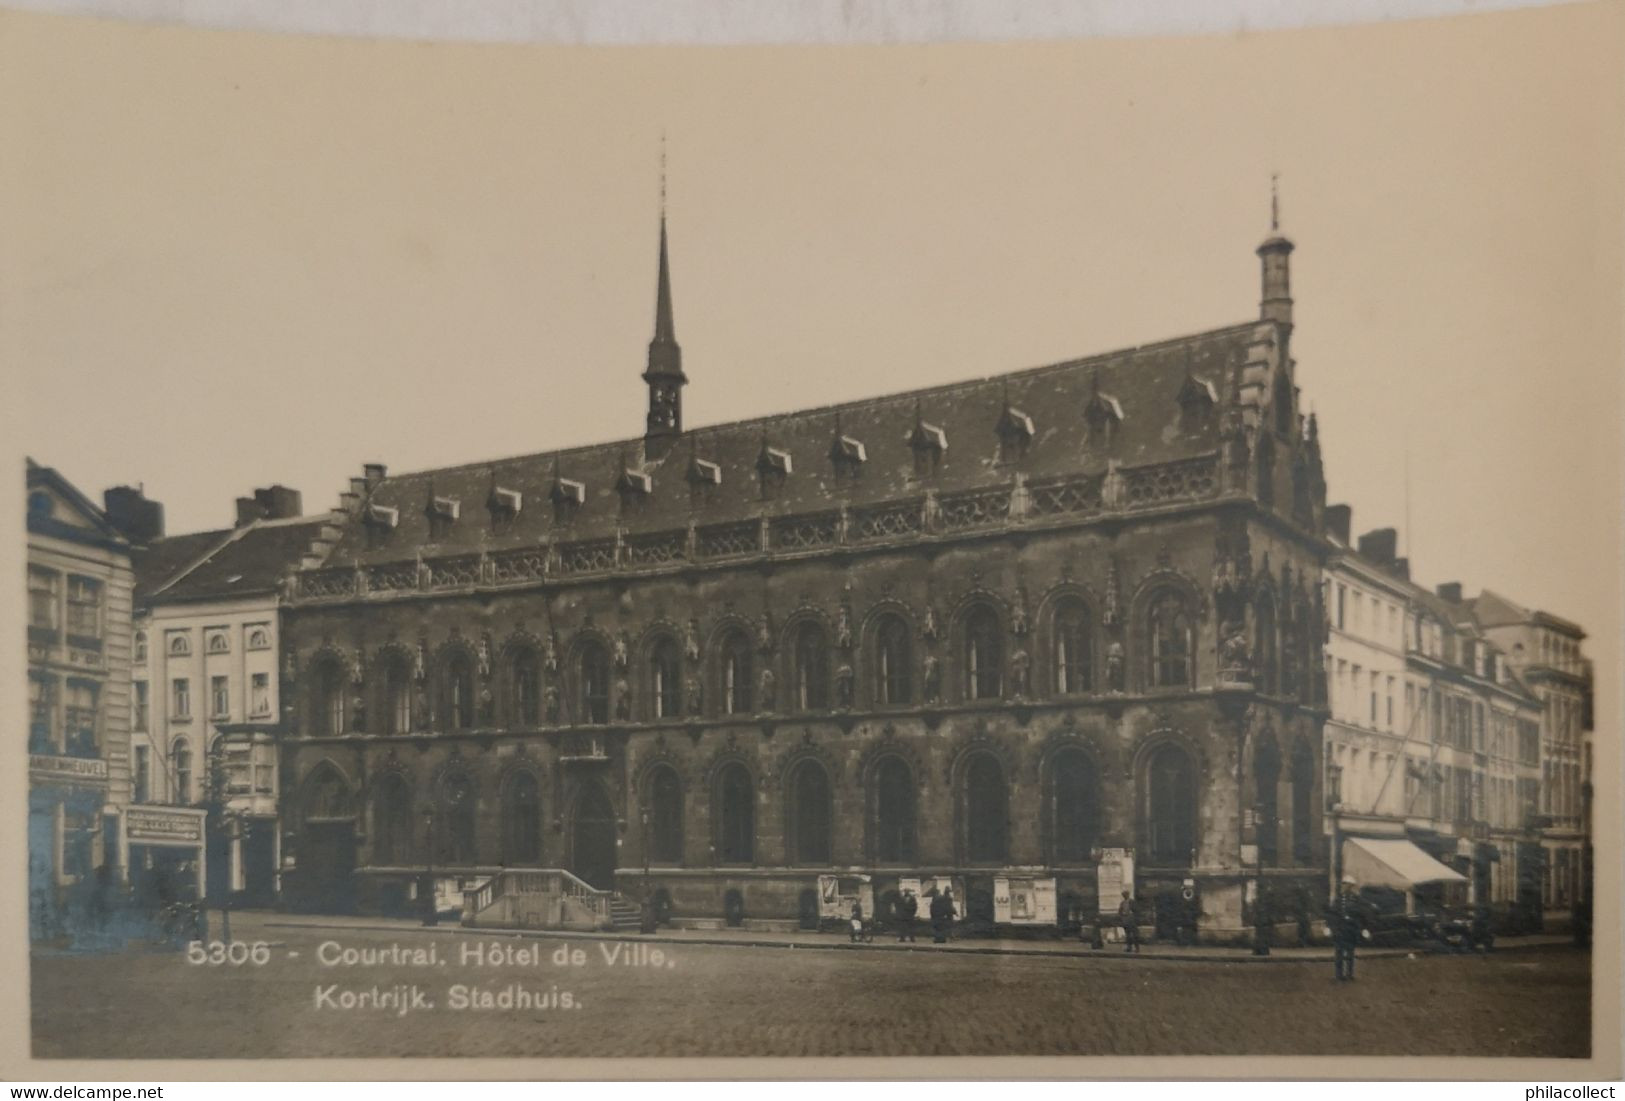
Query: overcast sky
{"type": "Point", "coordinates": [232, 260]}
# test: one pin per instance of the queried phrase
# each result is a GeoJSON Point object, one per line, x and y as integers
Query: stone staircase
{"type": "Point", "coordinates": [625, 916]}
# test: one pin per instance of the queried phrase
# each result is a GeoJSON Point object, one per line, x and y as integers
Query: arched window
{"type": "Point", "coordinates": [179, 645]}
{"type": "Point", "coordinates": [457, 819]}
{"type": "Point", "coordinates": [1303, 810]}
{"type": "Point", "coordinates": [392, 822]}
{"type": "Point", "coordinates": [258, 639]}
{"type": "Point", "coordinates": [1073, 668]}
{"type": "Point", "coordinates": [984, 655]}
{"type": "Point", "coordinates": [1266, 778]}
{"type": "Point", "coordinates": [327, 796]}
{"type": "Point", "coordinates": [894, 812]}
{"type": "Point", "coordinates": [1171, 642]}
{"type": "Point", "coordinates": [1170, 807]}
{"type": "Point", "coordinates": [524, 688]}
{"type": "Point", "coordinates": [1074, 806]}
{"type": "Point", "coordinates": [987, 810]}
{"type": "Point", "coordinates": [592, 682]}
{"type": "Point", "coordinates": [665, 816]}
{"type": "Point", "coordinates": [811, 658]}
{"type": "Point", "coordinates": [219, 643]}
{"type": "Point", "coordinates": [665, 679]}
{"type": "Point", "coordinates": [894, 682]}
{"type": "Point", "coordinates": [733, 673]}
{"type": "Point", "coordinates": [396, 704]}
{"type": "Point", "coordinates": [735, 815]}
{"type": "Point", "coordinates": [327, 699]}
{"type": "Point", "coordinates": [181, 753]}
{"type": "Point", "coordinates": [810, 813]}
{"type": "Point", "coordinates": [522, 819]}
{"type": "Point", "coordinates": [457, 691]}
{"type": "Point", "coordinates": [1265, 643]}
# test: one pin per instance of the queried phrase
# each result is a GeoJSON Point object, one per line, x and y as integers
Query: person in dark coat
{"type": "Point", "coordinates": [856, 922]}
{"type": "Point", "coordinates": [942, 916]}
{"type": "Point", "coordinates": [908, 909]}
{"type": "Point", "coordinates": [1344, 919]}
{"type": "Point", "coordinates": [1130, 924]}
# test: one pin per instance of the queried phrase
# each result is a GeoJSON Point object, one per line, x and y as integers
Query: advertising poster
{"type": "Point", "coordinates": [1115, 875]}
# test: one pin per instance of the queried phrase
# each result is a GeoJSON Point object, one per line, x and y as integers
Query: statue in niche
{"type": "Point", "coordinates": [843, 628]}
{"type": "Point", "coordinates": [484, 658]}
{"type": "Point", "coordinates": [1020, 671]}
{"type": "Point", "coordinates": [843, 686]}
{"type": "Point", "coordinates": [1018, 613]}
{"type": "Point", "coordinates": [1235, 656]}
{"type": "Point", "coordinates": [421, 719]}
{"type": "Point", "coordinates": [623, 700]}
{"type": "Point", "coordinates": [691, 640]}
{"type": "Point", "coordinates": [696, 700]}
{"type": "Point", "coordinates": [766, 687]}
{"type": "Point", "coordinates": [928, 624]}
{"type": "Point", "coordinates": [550, 704]}
{"type": "Point", "coordinates": [487, 708]}
{"type": "Point", "coordinates": [358, 714]}
{"type": "Point", "coordinates": [1114, 666]}
{"type": "Point", "coordinates": [764, 633]}
{"type": "Point", "coordinates": [621, 650]}
{"type": "Point", "coordinates": [551, 658]}
{"type": "Point", "coordinates": [420, 660]}
{"type": "Point", "coordinates": [933, 679]}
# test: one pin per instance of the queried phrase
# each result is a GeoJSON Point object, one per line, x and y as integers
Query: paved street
{"type": "Point", "coordinates": [699, 999]}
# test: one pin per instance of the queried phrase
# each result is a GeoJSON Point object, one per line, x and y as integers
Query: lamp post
{"type": "Point", "coordinates": [431, 911]}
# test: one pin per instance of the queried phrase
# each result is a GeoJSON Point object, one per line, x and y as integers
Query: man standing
{"type": "Point", "coordinates": [942, 916]}
{"type": "Point", "coordinates": [856, 921]}
{"type": "Point", "coordinates": [1345, 925]}
{"type": "Point", "coordinates": [1131, 927]}
{"type": "Point", "coordinates": [908, 908]}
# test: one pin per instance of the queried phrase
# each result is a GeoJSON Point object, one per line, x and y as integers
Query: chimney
{"type": "Point", "coordinates": [1380, 546]}
{"type": "Point", "coordinates": [1402, 568]}
{"type": "Point", "coordinates": [1338, 520]}
{"type": "Point", "coordinates": [278, 502]}
{"type": "Point", "coordinates": [248, 510]}
{"type": "Point", "coordinates": [373, 473]}
{"type": "Point", "coordinates": [139, 520]}
{"type": "Point", "coordinates": [1451, 591]}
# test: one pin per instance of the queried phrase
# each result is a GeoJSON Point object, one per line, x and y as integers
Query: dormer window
{"type": "Point", "coordinates": [503, 504]}
{"type": "Point", "coordinates": [1015, 431]}
{"type": "Point", "coordinates": [1103, 415]}
{"type": "Point", "coordinates": [928, 442]}
{"type": "Point", "coordinates": [634, 487]}
{"type": "Point", "coordinates": [848, 455]}
{"type": "Point", "coordinates": [379, 521]}
{"type": "Point", "coordinates": [773, 465]}
{"type": "Point", "coordinates": [704, 472]}
{"type": "Point", "coordinates": [568, 496]}
{"type": "Point", "coordinates": [1197, 399]}
{"type": "Point", "coordinates": [443, 513]}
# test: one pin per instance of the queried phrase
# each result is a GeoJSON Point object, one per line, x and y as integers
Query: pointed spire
{"type": "Point", "coordinates": [664, 372]}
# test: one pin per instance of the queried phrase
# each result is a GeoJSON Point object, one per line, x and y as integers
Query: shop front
{"type": "Point", "coordinates": [71, 873]}
{"type": "Point", "coordinates": [165, 853]}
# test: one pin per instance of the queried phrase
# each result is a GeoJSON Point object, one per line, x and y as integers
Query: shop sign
{"type": "Point", "coordinates": [1113, 876]}
{"type": "Point", "coordinates": [67, 769]}
{"type": "Point", "coordinates": [151, 825]}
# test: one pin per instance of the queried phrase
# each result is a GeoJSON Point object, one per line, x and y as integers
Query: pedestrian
{"type": "Point", "coordinates": [1131, 928]}
{"type": "Point", "coordinates": [908, 909]}
{"type": "Point", "coordinates": [1344, 919]}
{"type": "Point", "coordinates": [856, 921]}
{"type": "Point", "coordinates": [942, 916]}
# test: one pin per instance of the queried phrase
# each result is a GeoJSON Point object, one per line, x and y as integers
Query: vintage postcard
{"type": "Point", "coordinates": [1082, 551]}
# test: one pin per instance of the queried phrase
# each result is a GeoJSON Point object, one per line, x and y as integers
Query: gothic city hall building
{"type": "Point", "coordinates": [977, 634]}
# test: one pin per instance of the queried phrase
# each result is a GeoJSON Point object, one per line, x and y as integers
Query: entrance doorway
{"type": "Point", "coordinates": [326, 863]}
{"type": "Point", "coordinates": [592, 848]}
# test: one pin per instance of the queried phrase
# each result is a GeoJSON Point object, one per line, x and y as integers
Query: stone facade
{"type": "Point", "coordinates": [926, 634]}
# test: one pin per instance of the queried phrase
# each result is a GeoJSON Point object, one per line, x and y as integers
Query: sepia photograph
{"type": "Point", "coordinates": [1099, 547]}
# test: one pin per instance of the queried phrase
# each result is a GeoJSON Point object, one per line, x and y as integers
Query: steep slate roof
{"type": "Point", "coordinates": [249, 561]}
{"type": "Point", "coordinates": [1145, 382]}
{"type": "Point", "coordinates": [162, 559]}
